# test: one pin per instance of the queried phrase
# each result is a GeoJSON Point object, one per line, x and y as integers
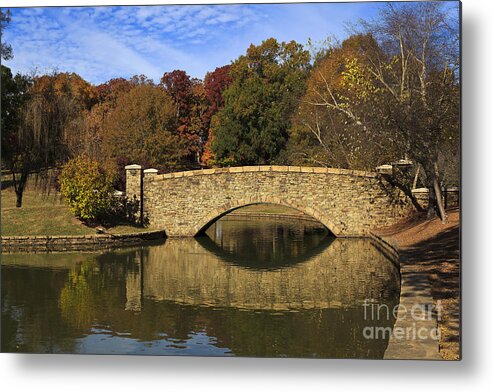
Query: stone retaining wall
{"type": "Point", "coordinates": [12, 244]}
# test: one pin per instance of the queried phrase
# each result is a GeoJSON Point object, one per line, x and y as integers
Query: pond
{"type": "Point", "coordinates": [251, 287]}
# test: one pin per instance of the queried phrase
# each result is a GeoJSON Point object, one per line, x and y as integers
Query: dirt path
{"type": "Point", "coordinates": [433, 248]}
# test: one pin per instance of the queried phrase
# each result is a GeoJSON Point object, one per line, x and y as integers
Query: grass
{"type": "Point", "coordinates": [45, 214]}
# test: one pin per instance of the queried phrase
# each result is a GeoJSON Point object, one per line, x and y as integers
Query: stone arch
{"type": "Point", "coordinates": [225, 209]}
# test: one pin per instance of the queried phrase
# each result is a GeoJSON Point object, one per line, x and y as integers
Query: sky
{"type": "Point", "coordinates": [100, 43]}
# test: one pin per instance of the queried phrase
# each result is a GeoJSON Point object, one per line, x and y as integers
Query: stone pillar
{"type": "Point", "coordinates": [150, 173]}
{"type": "Point", "coordinates": [133, 186]}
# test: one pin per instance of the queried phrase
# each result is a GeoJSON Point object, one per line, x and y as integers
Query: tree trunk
{"type": "Point", "coordinates": [438, 194]}
{"type": "Point", "coordinates": [18, 203]}
{"type": "Point", "coordinates": [435, 198]}
{"type": "Point", "coordinates": [19, 186]}
{"type": "Point", "coordinates": [431, 201]}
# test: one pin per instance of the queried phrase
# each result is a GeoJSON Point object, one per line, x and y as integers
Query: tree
{"type": "Point", "coordinates": [110, 90]}
{"type": "Point", "coordinates": [252, 127]}
{"type": "Point", "coordinates": [46, 131]}
{"type": "Point", "coordinates": [322, 136]}
{"type": "Point", "coordinates": [197, 130]}
{"type": "Point", "coordinates": [14, 94]}
{"type": "Point", "coordinates": [179, 86]}
{"type": "Point", "coordinates": [81, 92]}
{"type": "Point", "coordinates": [142, 127]}
{"type": "Point", "coordinates": [92, 122]}
{"type": "Point", "coordinates": [409, 87]}
{"type": "Point", "coordinates": [215, 83]}
{"type": "Point", "coordinates": [188, 96]}
{"type": "Point", "coordinates": [5, 49]}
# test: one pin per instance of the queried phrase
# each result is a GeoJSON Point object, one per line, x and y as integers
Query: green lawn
{"type": "Point", "coordinates": [43, 214]}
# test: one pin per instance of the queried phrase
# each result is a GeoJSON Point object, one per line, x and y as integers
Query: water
{"type": "Point", "coordinates": [265, 288]}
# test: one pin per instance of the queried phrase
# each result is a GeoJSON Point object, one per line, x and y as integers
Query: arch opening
{"type": "Point", "coordinates": [264, 236]}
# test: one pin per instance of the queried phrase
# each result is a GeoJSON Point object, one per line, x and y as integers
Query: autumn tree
{"type": "Point", "coordinates": [142, 127]}
{"type": "Point", "coordinates": [215, 83]}
{"type": "Point", "coordinates": [189, 98]}
{"type": "Point", "coordinates": [47, 132]}
{"type": "Point", "coordinates": [420, 86]}
{"type": "Point", "coordinates": [178, 85]}
{"type": "Point", "coordinates": [198, 128]}
{"type": "Point", "coordinates": [110, 90]}
{"type": "Point", "coordinates": [409, 88]}
{"type": "Point", "coordinates": [69, 84]}
{"type": "Point", "coordinates": [252, 127]}
{"type": "Point", "coordinates": [91, 128]}
{"type": "Point", "coordinates": [322, 136]}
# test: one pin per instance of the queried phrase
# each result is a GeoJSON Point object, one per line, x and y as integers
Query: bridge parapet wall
{"type": "Point", "coordinates": [269, 168]}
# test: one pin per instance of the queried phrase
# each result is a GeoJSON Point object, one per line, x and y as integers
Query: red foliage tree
{"type": "Point", "coordinates": [215, 83]}
{"type": "Point", "coordinates": [188, 95]}
{"type": "Point", "coordinates": [110, 90]}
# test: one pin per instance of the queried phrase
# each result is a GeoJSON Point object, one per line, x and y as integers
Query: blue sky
{"type": "Point", "coordinates": [100, 43]}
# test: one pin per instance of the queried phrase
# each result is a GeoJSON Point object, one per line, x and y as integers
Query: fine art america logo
{"type": "Point", "coordinates": [412, 321]}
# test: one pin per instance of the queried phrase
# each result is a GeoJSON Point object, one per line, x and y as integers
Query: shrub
{"type": "Point", "coordinates": [88, 188]}
{"type": "Point", "coordinates": [125, 210]}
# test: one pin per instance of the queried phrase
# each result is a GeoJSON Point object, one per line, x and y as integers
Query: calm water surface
{"type": "Point", "coordinates": [276, 288]}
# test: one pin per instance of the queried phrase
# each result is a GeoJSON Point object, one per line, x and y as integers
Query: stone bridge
{"type": "Point", "coordinates": [348, 202]}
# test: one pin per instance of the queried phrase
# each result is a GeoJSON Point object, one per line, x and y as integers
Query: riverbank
{"type": "Point", "coordinates": [431, 249]}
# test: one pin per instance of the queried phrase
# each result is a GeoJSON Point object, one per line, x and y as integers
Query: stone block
{"type": "Point", "coordinates": [247, 169]}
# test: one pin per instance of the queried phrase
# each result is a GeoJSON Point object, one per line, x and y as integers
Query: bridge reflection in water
{"type": "Point", "coordinates": [235, 294]}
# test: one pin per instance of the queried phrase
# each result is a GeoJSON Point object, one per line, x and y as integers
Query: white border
{"type": "Point", "coordinates": [120, 373]}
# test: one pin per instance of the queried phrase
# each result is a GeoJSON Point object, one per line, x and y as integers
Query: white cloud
{"type": "Point", "coordinates": [104, 42]}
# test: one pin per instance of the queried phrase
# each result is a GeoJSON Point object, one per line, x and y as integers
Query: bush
{"type": "Point", "coordinates": [88, 188]}
{"type": "Point", "coordinates": [125, 211]}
